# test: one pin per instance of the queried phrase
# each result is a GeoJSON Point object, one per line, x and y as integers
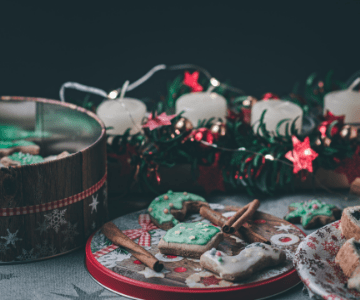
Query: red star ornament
{"type": "Point", "coordinates": [302, 155]}
{"type": "Point", "coordinates": [191, 80]}
{"type": "Point", "coordinates": [328, 119]}
{"type": "Point", "coordinates": [270, 96]}
{"type": "Point", "coordinates": [158, 121]}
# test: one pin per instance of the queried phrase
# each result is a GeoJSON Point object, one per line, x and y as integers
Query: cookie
{"type": "Point", "coordinates": [54, 157]}
{"type": "Point", "coordinates": [167, 210]}
{"type": "Point", "coordinates": [19, 159]}
{"type": "Point", "coordinates": [350, 222]}
{"type": "Point", "coordinates": [190, 239]}
{"type": "Point", "coordinates": [253, 258]}
{"type": "Point", "coordinates": [348, 258]}
{"type": "Point", "coordinates": [312, 214]}
{"type": "Point", "coordinates": [9, 147]}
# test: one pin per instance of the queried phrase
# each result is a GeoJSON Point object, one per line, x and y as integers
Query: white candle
{"type": "Point", "coordinates": [276, 111]}
{"type": "Point", "coordinates": [122, 114]}
{"type": "Point", "coordinates": [202, 105]}
{"type": "Point", "coordinates": [345, 102]}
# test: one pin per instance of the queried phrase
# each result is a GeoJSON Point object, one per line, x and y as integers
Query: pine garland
{"type": "Point", "coordinates": [240, 169]}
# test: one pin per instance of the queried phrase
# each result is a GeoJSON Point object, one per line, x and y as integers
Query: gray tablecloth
{"type": "Point", "coordinates": [66, 277]}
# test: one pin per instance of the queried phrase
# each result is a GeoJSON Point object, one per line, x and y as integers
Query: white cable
{"type": "Point", "coordinates": [145, 77]}
{"type": "Point", "coordinates": [80, 87]}
{"type": "Point", "coordinates": [140, 81]}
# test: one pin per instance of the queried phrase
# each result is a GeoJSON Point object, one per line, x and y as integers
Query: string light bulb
{"type": "Point", "coordinates": [113, 94]}
{"type": "Point", "coordinates": [214, 82]}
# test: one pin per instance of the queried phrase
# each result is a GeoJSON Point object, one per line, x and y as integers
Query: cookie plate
{"type": "Point", "coordinates": [315, 263]}
{"type": "Point", "coordinates": [182, 277]}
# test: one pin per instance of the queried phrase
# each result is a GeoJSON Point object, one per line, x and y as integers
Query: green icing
{"type": "Point", "coordinates": [10, 133]}
{"type": "Point", "coordinates": [191, 233]}
{"type": "Point", "coordinates": [156, 208]}
{"type": "Point", "coordinates": [21, 143]}
{"type": "Point", "coordinates": [308, 210]}
{"type": "Point", "coordinates": [26, 159]}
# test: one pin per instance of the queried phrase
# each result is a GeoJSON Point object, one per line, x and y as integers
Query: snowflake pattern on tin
{"type": "Point", "coordinates": [55, 219]}
{"type": "Point", "coordinates": [43, 227]}
{"type": "Point", "coordinates": [109, 260]}
{"type": "Point", "coordinates": [94, 203]}
{"type": "Point", "coordinates": [43, 249]}
{"type": "Point", "coordinates": [27, 255]}
{"type": "Point", "coordinates": [11, 238]}
{"type": "Point", "coordinates": [70, 232]}
{"type": "Point", "coordinates": [3, 247]}
{"type": "Point", "coordinates": [315, 263]}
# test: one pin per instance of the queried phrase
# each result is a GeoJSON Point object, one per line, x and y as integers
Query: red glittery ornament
{"type": "Point", "coordinates": [202, 134]}
{"type": "Point", "coordinates": [191, 80]}
{"type": "Point", "coordinates": [302, 155]}
{"type": "Point", "coordinates": [328, 119]}
{"type": "Point", "coordinates": [160, 120]}
{"type": "Point", "coordinates": [270, 96]}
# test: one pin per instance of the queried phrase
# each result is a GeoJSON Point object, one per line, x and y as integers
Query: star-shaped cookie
{"type": "Point", "coordinates": [312, 214]}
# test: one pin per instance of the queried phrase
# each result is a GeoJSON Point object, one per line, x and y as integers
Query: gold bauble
{"type": "Point", "coordinates": [326, 142]}
{"type": "Point", "coordinates": [219, 129]}
{"type": "Point", "coordinates": [249, 101]}
{"type": "Point", "coordinates": [349, 132]}
{"type": "Point", "coordinates": [182, 125]}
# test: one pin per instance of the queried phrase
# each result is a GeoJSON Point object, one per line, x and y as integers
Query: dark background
{"type": "Point", "coordinates": [259, 46]}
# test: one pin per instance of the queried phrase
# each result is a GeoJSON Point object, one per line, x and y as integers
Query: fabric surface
{"type": "Point", "coordinates": [66, 277]}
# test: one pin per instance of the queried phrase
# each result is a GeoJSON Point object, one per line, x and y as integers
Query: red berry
{"type": "Point", "coordinates": [218, 253]}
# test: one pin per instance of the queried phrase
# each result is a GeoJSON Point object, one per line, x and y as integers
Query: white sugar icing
{"type": "Point", "coordinates": [243, 264]}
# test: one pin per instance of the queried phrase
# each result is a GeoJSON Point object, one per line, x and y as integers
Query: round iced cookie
{"type": "Point", "coordinates": [199, 233]}
{"type": "Point", "coordinates": [170, 208]}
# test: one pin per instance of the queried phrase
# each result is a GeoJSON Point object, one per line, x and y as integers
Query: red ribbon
{"type": "Point", "coordinates": [146, 225]}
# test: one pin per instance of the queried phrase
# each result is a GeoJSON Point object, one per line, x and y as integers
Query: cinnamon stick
{"type": "Point", "coordinates": [246, 216]}
{"type": "Point", "coordinates": [219, 220]}
{"type": "Point", "coordinates": [117, 237]}
{"type": "Point", "coordinates": [238, 214]}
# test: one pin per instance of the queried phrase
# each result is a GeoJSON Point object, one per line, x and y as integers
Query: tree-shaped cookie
{"type": "Point", "coordinates": [312, 213]}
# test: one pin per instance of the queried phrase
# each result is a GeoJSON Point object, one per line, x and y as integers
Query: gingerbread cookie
{"type": "Point", "coordinates": [166, 210]}
{"type": "Point", "coordinates": [9, 147]}
{"type": "Point", "coordinates": [19, 159]}
{"type": "Point", "coordinates": [190, 239]}
{"type": "Point", "coordinates": [253, 258]}
{"type": "Point", "coordinates": [350, 222]}
{"type": "Point", "coordinates": [312, 213]}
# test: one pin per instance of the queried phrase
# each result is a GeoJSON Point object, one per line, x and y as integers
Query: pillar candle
{"type": "Point", "coordinates": [116, 113]}
{"type": "Point", "coordinates": [345, 102]}
{"type": "Point", "coordinates": [276, 111]}
{"type": "Point", "coordinates": [202, 105]}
